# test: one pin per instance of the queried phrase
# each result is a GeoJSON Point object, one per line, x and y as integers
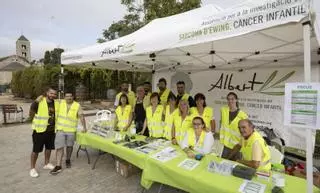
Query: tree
{"type": "Point", "coordinates": [47, 58]}
{"type": "Point", "coordinates": [139, 15]}
{"type": "Point", "coordinates": [53, 56]}
{"type": "Point", "coordinates": [56, 55]}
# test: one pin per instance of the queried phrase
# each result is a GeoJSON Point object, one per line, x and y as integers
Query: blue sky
{"type": "Point", "coordinates": [68, 24]}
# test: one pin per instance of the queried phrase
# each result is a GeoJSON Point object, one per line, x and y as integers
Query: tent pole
{"type": "Point", "coordinates": [307, 79]}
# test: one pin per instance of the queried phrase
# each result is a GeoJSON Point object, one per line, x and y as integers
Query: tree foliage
{"type": "Point", "coordinates": [53, 56]}
{"type": "Point", "coordinates": [139, 15]}
{"type": "Point", "coordinates": [96, 80]}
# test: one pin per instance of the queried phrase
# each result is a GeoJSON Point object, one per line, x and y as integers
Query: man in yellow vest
{"type": "Point", "coordinates": [182, 95]}
{"type": "Point", "coordinates": [125, 90]}
{"type": "Point", "coordinates": [254, 150]}
{"type": "Point", "coordinates": [163, 91]}
{"type": "Point", "coordinates": [43, 115]}
{"type": "Point", "coordinates": [66, 127]}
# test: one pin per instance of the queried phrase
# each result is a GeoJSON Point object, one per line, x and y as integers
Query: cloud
{"type": "Point", "coordinates": [47, 24]}
{"type": "Point", "coordinates": [68, 24]}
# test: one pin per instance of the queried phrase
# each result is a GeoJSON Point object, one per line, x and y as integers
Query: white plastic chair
{"type": "Point", "coordinates": [276, 155]}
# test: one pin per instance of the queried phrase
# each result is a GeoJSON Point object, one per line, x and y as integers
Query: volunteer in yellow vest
{"type": "Point", "coordinates": [230, 116]}
{"type": "Point", "coordinates": [182, 122]}
{"type": "Point", "coordinates": [147, 90]}
{"type": "Point", "coordinates": [125, 90]}
{"type": "Point", "coordinates": [254, 150]}
{"type": "Point", "coordinates": [202, 110]}
{"type": "Point", "coordinates": [68, 116]}
{"type": "Point", "coordinates": [123, 114]}
{"type": "Point", "coordinates": [141, 104]}
{"type": "Point", "coordinates": [182, 95]}
{"type": "Point", "coordinates": [170, 111]}
{"type": "Point", "coordinates": [163, 91]}
{"type": "Point", "coordinates": [154, 117]}
{"type": "Point", "coordinates": [197, 140]}
{"type": "Point", "coordinates": [43, 115]}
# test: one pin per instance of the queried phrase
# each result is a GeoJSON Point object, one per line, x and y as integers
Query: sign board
{"type": "Point", "coordinates": [302, 105]}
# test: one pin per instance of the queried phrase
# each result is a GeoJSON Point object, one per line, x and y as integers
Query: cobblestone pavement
{"type": "Point", "coordinates": [16, 144]}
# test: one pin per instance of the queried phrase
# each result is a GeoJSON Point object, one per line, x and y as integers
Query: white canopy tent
{"type": "Point", "coordinates": [252, 34]}
{"type": "Point", "coordinates": [268, 35]}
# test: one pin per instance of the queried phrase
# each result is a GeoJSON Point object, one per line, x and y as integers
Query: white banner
{"type": "Point", "coordinates": [260, 92]}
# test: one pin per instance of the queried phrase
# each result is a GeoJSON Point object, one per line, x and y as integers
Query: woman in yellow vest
{"type": "Point", "coordinates": [154, 117]}
{"type": "Point", "coordinates": [202, 110]}
{"type": "Point", "coordinates": [254, 150]}
{"type": "Point", "coordinates": [182, 122]}
{"type": "Point", "coordinates": [124, 113]}
{"type": "Point", "coordinates": [197, 140]}
{"type": "Point", "coordinates": [171, 110]}
{"type": "Point", "coordinates": [230, 116]}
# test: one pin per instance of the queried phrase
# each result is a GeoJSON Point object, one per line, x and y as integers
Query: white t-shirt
{"type": "Point", "coordinates": [207, 143]}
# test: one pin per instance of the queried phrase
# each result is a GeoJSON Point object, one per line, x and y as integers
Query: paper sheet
{"type": "Point", "coordinates": [252, 187]}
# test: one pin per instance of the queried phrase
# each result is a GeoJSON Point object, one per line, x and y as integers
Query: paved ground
{"type": "Point", "coordinates": [15, 145]}
{"type": "Point", "coordinates": [15, 148]}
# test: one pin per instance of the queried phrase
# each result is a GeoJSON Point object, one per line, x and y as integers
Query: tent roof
{"type": "Point", "coordinates": [203, 39]}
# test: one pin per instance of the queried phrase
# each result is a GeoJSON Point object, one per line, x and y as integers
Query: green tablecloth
{"type": "Point", "coordinates": [201, 180]}
{"type": "Point", "coordinates": [106, 145]}
{"type": "Point", "coordinates": [198, 180]}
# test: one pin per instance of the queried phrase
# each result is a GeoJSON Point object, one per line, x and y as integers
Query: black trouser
{"type": "Point", "coordinates": [139, 127]}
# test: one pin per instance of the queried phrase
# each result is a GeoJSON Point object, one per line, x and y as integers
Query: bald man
{"type": "Point", "coordinates": [254, 150]}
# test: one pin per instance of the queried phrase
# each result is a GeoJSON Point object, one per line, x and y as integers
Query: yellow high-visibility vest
{"type": "Point", "coordinates": [146, 100]}
{"type": "Point", "coordinates": [131, 97]}
{"type": "Point", "coordinates": [168, 122]}
{"type": "Point", "coordinates": [192, 139]}
{"type": "Point", "coordinates": [185, 97]}
{"type": "Point", "coordinates": [123, 116]}
{"type": "Point", "coordinates": [246, 150]}
{"type": "Point", "coordinates": [40, 120]}
{"type": "Point", "coordinates": [181, 126]}
{"type": "Point", "coordinates": [207, 115]}
{"type": "Point", "coordinates": [229, 132]}
{"type": "Point", "coordinates": [164, 97]}
{"type": "Point", "coordinates": [67, 121]}
{"type": "Point", "coordinates": [154, 121]}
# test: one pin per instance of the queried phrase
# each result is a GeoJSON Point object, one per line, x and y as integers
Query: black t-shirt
{"type": "Point", "coordinates": [51, 121]}
{"type": "Point", "coordinates": [139, 112]}
{"type": "Point", "coordinates": [233, 115]}
{"type": "Point", "coordinates": [190, 100]}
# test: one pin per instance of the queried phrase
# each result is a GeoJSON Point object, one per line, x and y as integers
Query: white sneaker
{"type": "Point", "coordinates": [49, 166]}
{"type": "Point", "coordinates": [33, 173]}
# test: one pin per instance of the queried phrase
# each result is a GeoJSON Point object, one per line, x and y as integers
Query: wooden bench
{"type": "Point", "coordinates": [8, 109]}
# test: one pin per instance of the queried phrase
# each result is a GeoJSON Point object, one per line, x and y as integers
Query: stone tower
{"type": "Point", "coordinates": [23, 48]}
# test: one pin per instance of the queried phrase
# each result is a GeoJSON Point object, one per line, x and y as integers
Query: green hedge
{"type": "Point", "coordinates": [31, 82]}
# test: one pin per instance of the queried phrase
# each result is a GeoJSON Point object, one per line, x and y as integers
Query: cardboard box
{"type": "Point", "coordinates": [124, 168]}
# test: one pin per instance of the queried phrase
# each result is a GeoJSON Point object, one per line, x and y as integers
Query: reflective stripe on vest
{"type": "Point", "coordinates": [207, 115]}
{"type": "Point", "coordinates": [123, 116]}
{"type": "Point", "coordinates": [181, 126]}
{"type": "Point", "coordinates": [40, 120]}
{"type": "Point", "coordinates": [168, 122]}
{"type": "Point", "coordinates": [164, 97]}
{"type": "Point", "coordinates": [192, 139]}
{"type": "Point", "coordinates": [229, 132]}
{"type": "Point", "coordinates": [154, 121]}
{"type": "Point", "coordinates": [246, 150]}
{"type": "Point", "coordinates": [67, 121]}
